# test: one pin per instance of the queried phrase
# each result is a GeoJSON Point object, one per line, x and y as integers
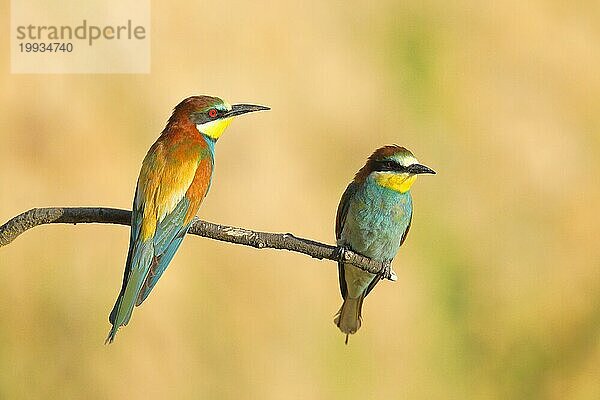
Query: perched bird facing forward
{"type": "Point", "coordinates": [175, 177]}
{"type": "Point", "coordinates": [373, 219]}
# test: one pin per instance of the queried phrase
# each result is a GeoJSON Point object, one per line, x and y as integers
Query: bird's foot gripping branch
{"type": "Point", "coordinates": [260, 240]}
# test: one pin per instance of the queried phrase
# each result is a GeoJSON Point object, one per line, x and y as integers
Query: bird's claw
{"type": "Point", "coordinates": [387, 272]}
{"type": "Point", "coordinates": [341, 253]}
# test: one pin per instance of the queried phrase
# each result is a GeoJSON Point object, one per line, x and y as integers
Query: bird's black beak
{"type": "Point", "coordinates": [420, 169]}
{"type": "Point", "coordinates": [239, 109]}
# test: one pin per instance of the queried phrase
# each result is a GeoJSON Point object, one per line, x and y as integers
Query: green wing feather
{"type": "Point", "coordinates": [165, 178]}
{"type": "Point", "coordinates": [340, 220]}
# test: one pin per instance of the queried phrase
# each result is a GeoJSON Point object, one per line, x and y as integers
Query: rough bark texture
{"type": "Point", "coordinates": [260, 240]}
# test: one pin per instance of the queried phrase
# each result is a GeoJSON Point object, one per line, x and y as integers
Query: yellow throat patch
{"type": "Point", "coordinates": [214, 129]}
{"type": "Point", "coordinates": [400, 183]}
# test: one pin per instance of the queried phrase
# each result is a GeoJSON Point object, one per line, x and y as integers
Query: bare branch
{"type": "Point", "coordinates": [260, 240]}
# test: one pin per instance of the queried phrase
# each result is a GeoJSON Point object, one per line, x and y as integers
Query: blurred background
{"type": "Point", "coordinates": [498, 294]}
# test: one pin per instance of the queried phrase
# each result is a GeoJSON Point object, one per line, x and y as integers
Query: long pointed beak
{"type": "Point", "coordinates": [239, 109]}
{"type": "Point", "coordinates": [420, 169]}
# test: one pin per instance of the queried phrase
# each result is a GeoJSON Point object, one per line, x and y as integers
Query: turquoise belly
{"type": "Point", "coordinates": [376, 220]}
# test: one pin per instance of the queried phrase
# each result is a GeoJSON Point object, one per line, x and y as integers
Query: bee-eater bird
{"type": "Point", "coordinates": [175, 177]}
{"type": "Point", "coordinates": [373, 219]}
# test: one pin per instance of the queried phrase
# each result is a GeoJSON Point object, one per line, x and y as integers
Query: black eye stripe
{"type": "Point", "coordinates": [388, 165]}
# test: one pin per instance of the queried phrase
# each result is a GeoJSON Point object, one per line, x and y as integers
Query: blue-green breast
{"type": "Point", "coordinates": [376, 221]}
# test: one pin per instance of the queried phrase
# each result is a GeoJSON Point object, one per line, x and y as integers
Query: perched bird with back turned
{"type": "Point", "coordinates": [175, 177]}
{"type": "Point", "coordinates": [373, 219]}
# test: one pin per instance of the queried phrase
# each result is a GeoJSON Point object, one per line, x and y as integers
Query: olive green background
{"type": "Point", "coordinates": [498, 294]}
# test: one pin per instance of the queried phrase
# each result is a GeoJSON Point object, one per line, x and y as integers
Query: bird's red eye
{"type": "Point", "coordinates": [212, 112]}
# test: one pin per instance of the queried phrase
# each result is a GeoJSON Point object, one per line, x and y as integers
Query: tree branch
{"type": "Point", "coordinates": [260, 240]}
